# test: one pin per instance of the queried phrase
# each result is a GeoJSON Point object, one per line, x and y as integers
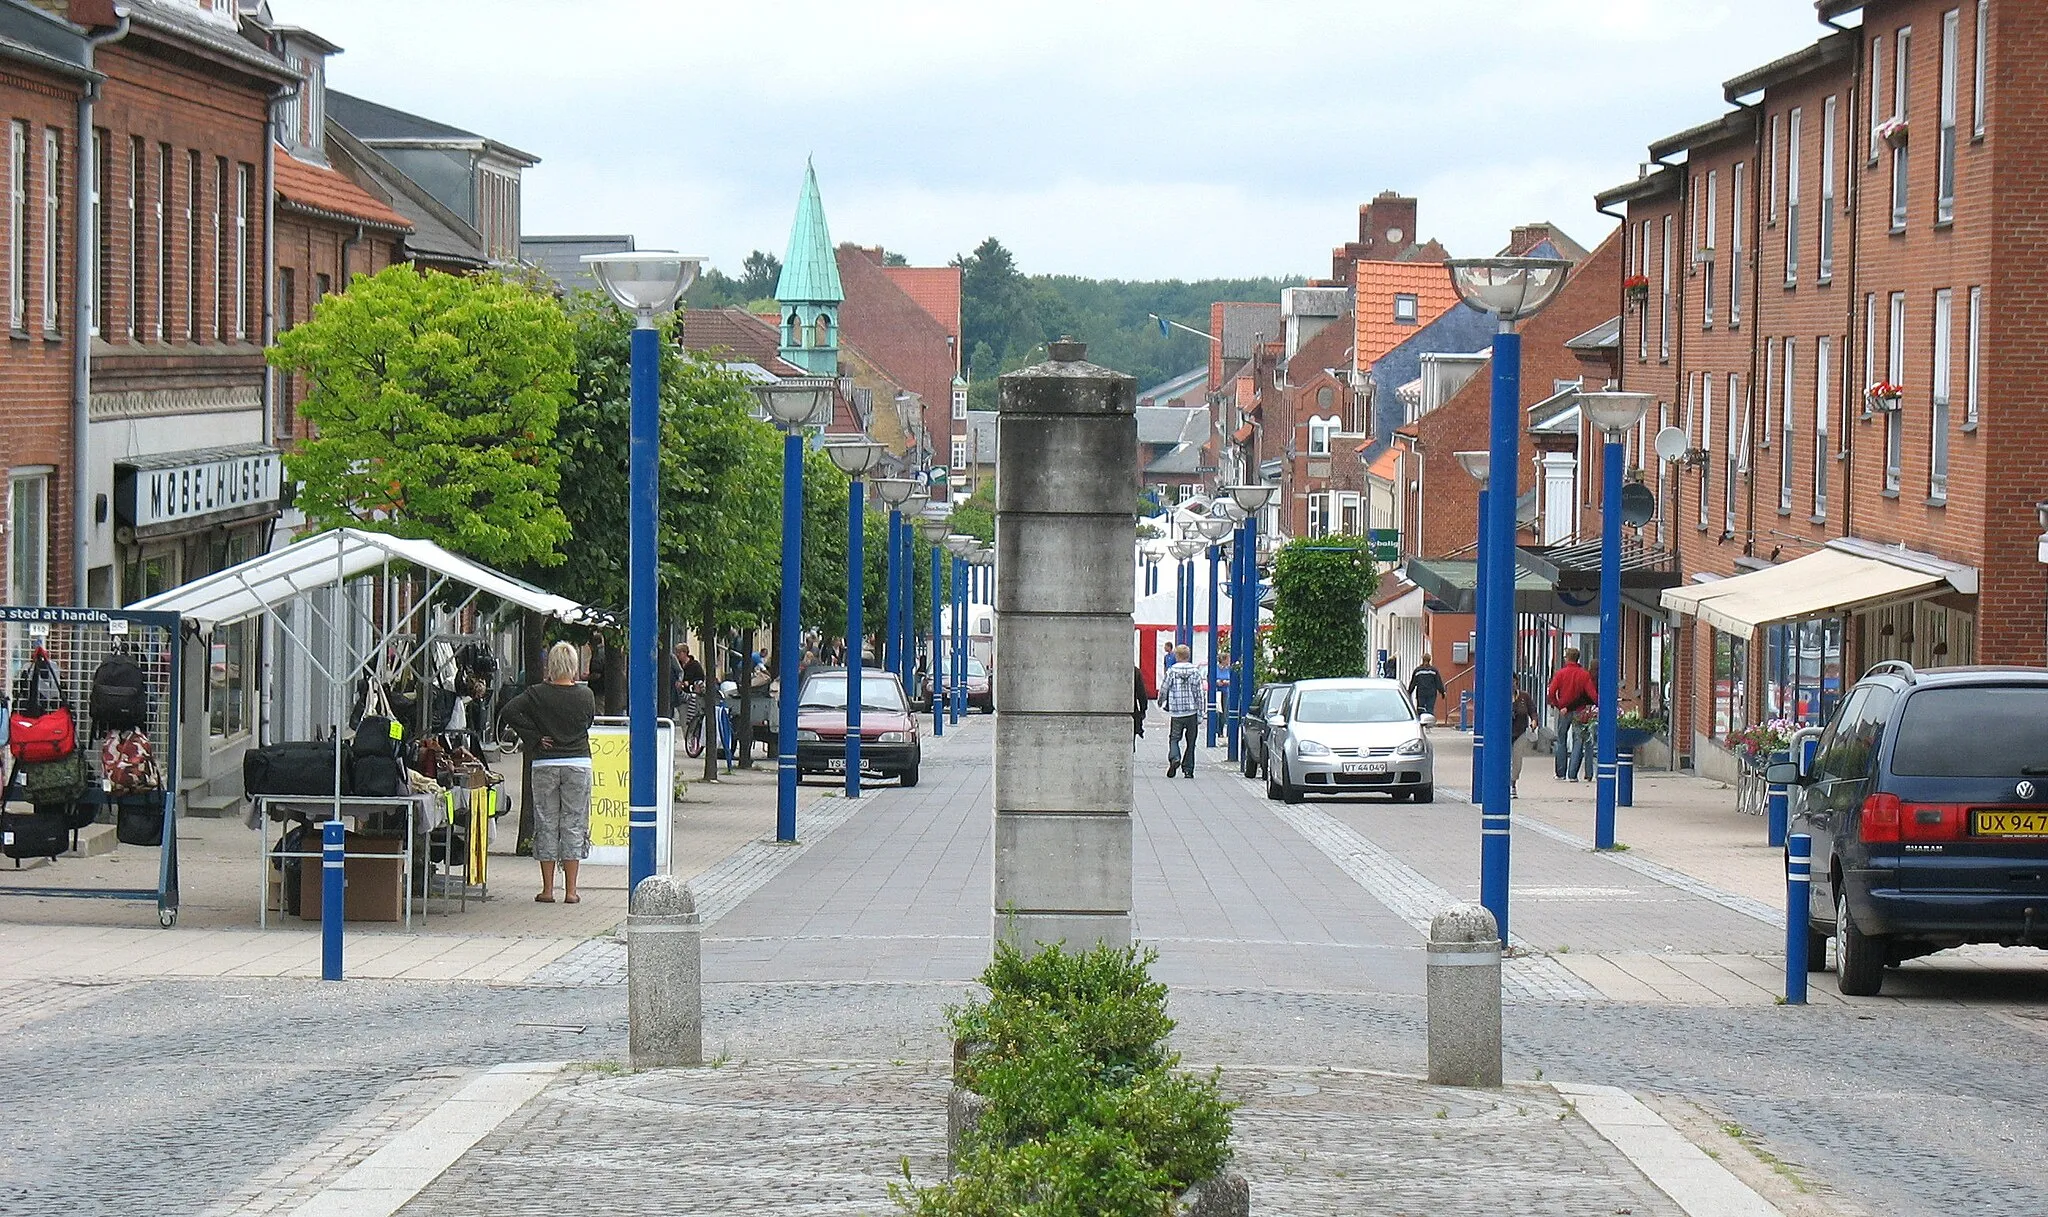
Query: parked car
{"type": "Point", "coordinates": [981, 693]}
{"type": "Point", "coordinates": [890, 746]}
{"type": "Point", "coordinates": [1927, 802]}
{"type": "Point", "coordinates": [1253, 732]}
{"type": "Point", "coordinates": [1348, 736]}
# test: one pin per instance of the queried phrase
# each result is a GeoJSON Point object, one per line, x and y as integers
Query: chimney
{"type": "Point", "coordinates": [1527, 236]}
{"type": "Point", "coordinates": [1386, 226]}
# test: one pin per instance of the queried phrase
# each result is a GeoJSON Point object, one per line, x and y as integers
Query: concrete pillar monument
{"type": "Point", "coordinates": [1066, 482]}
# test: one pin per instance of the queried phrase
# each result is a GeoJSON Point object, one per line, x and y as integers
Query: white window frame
{"type": "Point", "coordinates": [28, 537]}
{"type": "Point", "coordinates": [1706, 446]}
{"type": "Point", "coordinates": [1940, 385]}
{"type": "Point", "coordinates": [1895, 371]}
{"type": "Point", "coordinates": [1877, 115]}
{"type": "Point", "coordinates": [218, 280]}
{"type": "Point", "coordinates": [1642, 323]}
{"type": "Point", "coordinates": [1869, 343]}
{"type": "Point", "coordinates": [17, 227]}
{"type": "Point", "coordinates": [1825, 228]}
{"type": "Point", "coordinates": [53, 226]}
{"type": "Point", "coordinates": [1976, 321]}
{"type": "Point", "coordinates": [959, 454]}
{"type": "Point", "coordinates": [241, 293]}
{"type": "Point", "coordinates": [1729, 459]}
{"type": "Point", "coordinates": [1664, 305]}
{"type": "Point", "coordinates": [1776, 177]}
{"type": "Point", "coordinates": [1737, 179]}
{"type": "Point", "coordinates": [1977, 70]}
{"type": "Point", "coordinates": [1770, 385]}
{"type": "Point", "coordinates": [1902, 72]}
{"type": "Point", "coordinates": [137, 167]}
{"type": "Point", "coordinates": [164, 176]}
{"type": "Point", "coordinates": [1407, 308]}
{"type": "Point", "coordinates": [1707, 266]}
{"type": "Point", "coordinates": [1823, 408]}
{"type": "Point", "coordinates": [193, 164]}
{"type": "Point", "coordinates": [1792, 125]}
{"type": "Point", "coordinates": [1945, 136]}
{"type": "Point", "coordinates": [960, 404]}
{"type": "Point", "coordinates": [1786, 415]}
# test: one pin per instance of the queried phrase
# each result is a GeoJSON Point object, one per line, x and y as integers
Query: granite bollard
{"type": "Point", "coordinates": [1463, 976]}
{"type": "Point", "coordinates": [664, 975]}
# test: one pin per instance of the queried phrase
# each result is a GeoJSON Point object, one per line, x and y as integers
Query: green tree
{"type": "Point", "coordinates": [758, 275]}
{"type": "Point", "coordinates": [433, 402]}
{"type": "Point", "coordinates": [1319, 620]}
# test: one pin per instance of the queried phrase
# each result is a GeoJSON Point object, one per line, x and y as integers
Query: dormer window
{"type": "Point", "coordinates": [1406, 308]}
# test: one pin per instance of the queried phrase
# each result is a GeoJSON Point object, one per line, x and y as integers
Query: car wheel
{"type": "Point", "coordinates": [1859, 957]}
{"type": "Point", "coordinates": [1289, 793]}
{"type": "Point", "coordinates": [1272, 787]}
{"type": "Point", "coordinates": [908, 777]}
{"type": "Point", "coordinates": [1423, 794]}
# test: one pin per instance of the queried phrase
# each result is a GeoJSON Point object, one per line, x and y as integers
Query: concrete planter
{"type": "Point", "coordinates": [1226, 1195]}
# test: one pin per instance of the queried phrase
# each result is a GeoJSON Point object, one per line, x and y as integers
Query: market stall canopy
{"type": "Point", "coordinates": [1831, 580]}
{"type": "Point", "coordinates": [330, 558]}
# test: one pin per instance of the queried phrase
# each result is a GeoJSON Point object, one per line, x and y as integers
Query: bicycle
{"type": "Point", "coordinates": [693, 724]}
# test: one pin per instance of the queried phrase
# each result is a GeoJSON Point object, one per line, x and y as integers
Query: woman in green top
{"type": "Point", "coordinates": [552, 721]}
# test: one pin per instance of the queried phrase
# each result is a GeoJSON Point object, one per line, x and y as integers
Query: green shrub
{"type": "Point", "coordinates": [1085, 1113]}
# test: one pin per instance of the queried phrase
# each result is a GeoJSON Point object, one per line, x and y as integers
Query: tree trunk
{"type": "Point", "coordinates": [711, 698]}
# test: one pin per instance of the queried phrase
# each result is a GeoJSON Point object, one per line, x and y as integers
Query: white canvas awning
{"type": "Point", "coordinates": [1829, 581]}
{"type": "Point", "coordinates": [332, 558]}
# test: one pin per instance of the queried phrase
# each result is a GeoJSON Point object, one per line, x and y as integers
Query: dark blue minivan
{"type": "Point", "coordinates": [1927, 802]}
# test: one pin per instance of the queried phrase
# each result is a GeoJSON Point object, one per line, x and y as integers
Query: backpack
{"type": "Point", "coordinates": [127, 763]}
{"type": "Point", "coordinates": [120, 694]}
{"type": "Point", "coordinates": [49, 783]}
{"type": "Point", "coordinates": [40, 727]}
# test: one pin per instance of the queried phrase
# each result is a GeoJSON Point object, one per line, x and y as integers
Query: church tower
{"type": "Point", "coordinates": [809, 290]}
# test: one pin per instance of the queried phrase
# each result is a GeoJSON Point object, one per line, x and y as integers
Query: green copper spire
{"type": "Point", "coordinates": [809, 290]}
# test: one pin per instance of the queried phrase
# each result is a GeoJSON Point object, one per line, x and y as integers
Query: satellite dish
{"type": "Point", "coordinates": [1672, 443]}
{"type": "Point", "coordinates": [1638, 505]}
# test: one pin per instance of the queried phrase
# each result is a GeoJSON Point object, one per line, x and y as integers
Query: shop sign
{"type": "Point", "coordinates": [203, 487]}
{"type": "Point", "coordinates": [611, 794]}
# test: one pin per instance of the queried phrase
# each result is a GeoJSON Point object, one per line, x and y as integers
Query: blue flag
{"type": "Point", "coordinates": [1162, 327]}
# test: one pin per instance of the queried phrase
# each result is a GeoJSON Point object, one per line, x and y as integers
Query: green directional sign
{"type": "Point", "coordinates": [1385, 544]}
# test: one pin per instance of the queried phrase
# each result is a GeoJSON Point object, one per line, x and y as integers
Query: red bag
{"type": "Point", "coordinates": [49, 736]}
{"type": "Point", "coordinates": [127, 763]}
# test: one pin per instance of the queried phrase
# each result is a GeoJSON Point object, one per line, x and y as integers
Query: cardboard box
{"type": "Point", "coordinates": [373, 873]}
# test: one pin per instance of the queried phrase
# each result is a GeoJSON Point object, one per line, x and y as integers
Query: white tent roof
{"type": "Point", "coordinates": [331, 558]}
{"type": "Point", "coordinates": [1825, 581]}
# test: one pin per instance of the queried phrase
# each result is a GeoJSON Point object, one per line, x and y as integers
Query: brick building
{"type": "Point", "coordinates": [45, 75]}
{"type": "Point", "coordinates": [1862, 218]}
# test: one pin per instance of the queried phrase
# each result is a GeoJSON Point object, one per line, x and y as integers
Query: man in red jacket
{"type": "Point", "coordinates": [1571, 691]}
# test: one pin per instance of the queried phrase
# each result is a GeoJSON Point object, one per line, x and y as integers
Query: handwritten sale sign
{"type": "Point", "coordinates": [610, 793]}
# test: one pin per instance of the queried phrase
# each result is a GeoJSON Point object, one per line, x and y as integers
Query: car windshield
{"type": "Point", "coordinates": [877, 692]}
{"type": "Point", "coordinates": [1351, 706]}
{"type": "Point", "coordinates": [1973, 732]}
{"type": "Point", "coordinates": [974, 668]}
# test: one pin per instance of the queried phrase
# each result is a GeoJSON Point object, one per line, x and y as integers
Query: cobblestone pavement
{"type": "Point", "coordinates": [829, 1137]}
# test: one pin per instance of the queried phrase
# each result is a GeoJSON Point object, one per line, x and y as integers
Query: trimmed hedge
{"type": "Point", "coordinates": [1086, 1113]}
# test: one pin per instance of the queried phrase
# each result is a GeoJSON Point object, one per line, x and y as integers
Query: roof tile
{"type": "Point", "coordinates": [318, 188]}
{"type": "Point", "coordinates": [1378, 283]}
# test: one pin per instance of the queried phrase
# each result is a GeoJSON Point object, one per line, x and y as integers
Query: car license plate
{"type": "Point", "coordinates": [1365, 766]}
{"type": "Point", "coordinates": [2012, 823]}
{"type": "Point", "coordinates": [836, 765]}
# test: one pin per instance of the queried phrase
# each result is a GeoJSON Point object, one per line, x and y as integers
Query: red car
{"type": "Point", "coordinates": [889, 743]}
{"type": "Point", "coordinates": [980, 691]}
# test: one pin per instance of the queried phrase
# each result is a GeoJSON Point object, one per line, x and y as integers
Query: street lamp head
{"type": "Point", "coordinates": [961, 544]}
{"type": "Point", "coordinates": [644, 282]}
{"type": "Point", "coordinates": [1226, 508]}
{"type": "Point", "coordinates": [893, 492]}
{"type": "Point", "coordinates": [1254, 496]}
{"type": "Point", "coordinates": [854, 455]}
{"type": "Point", "coordinates": [1188, 548]}
{"type": "Point", "coordinates": [1477, 464]}
{"type": "Point", "coordinates": [933, 525]}
{"type": "Point", "coordinates": [798, 401]}
{"type": "Point", "coordinates": [1511, 288]}
{"type": "Point", "coordinates": [1215, 527]}
{"type": "Point", "coordinates": [1614, 413]}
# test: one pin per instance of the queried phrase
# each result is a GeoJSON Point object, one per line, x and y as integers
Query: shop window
{"type": "Point", "coordinates": [231, 661]}
{"type": "Point", "coordinates": [28, 538]}
{"type": "Point", "coordinates": [1731, 679]}
{"type": "Point", "coordinates": [1803, 670]}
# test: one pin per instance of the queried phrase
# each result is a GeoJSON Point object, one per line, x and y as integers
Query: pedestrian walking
{"type": "Point", "coordinates": [1139, 700]}
{"type": "Point", "coordinates": [1571, 695]}
{"type": "Point", "coordinates": [1425, 685]}
{"type": "Point", "coordinates": [1181, 692]}
{"type": "Point", "coordinates": [552, 721]}
{"type": "Point", "coordinates": [1523, 721]}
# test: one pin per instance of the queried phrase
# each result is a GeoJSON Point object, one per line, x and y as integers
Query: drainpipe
{"type": "Point", "coordinates": [269, 389]}
{"type": "Point", "coordinates": [85, 260]}
{"type": "Point", "coordinates": [348, 245]}
{"type": "Point", "coordinates": [1756, 410]}
{"type": "Point", "coordinates": [1852, 306]}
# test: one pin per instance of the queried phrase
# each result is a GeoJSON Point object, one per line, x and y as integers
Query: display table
{"type": "Point", "coordinates": [423, 814]}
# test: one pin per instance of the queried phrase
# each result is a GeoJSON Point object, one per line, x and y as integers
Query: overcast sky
{"type": "Point", "coordinates": [1113, 138]}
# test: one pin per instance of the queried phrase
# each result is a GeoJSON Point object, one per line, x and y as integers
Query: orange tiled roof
{"type": "Point", "coordinates": [1378, 283]}
{"type": "Point", "coordinates": [936, 290]}
{"type": "Point", "coordinates": [1386, 466]}
{"type": "Point", "coordinates": [324, 190]}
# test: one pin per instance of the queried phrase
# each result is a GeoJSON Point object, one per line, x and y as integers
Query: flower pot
{"type": "Point", "coordinates": [1633, 738]}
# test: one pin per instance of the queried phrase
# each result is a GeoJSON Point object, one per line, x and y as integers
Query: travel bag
{"type": "Point", "coordinates": [376, 777]}
{"type": "Point", "coordinates": [128, 763]}
{"type": "Point", "coordinates": [301, 767]}
{"type": "Point", "coordinates": [140, 821]}
{"type": "Point", "coordinates": [40, 728]}
{"type": "Point", "coordinates": [120, 694]}
{"type": "Point", "coordinates": [47, 783]}
{"type": "Point", "coordinates": [35, 834]}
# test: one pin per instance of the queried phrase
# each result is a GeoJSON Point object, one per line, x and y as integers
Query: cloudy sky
{"type": "Point", "coordinates": [1114, 138]}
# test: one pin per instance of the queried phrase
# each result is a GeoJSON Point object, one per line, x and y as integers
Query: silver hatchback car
{"type": "Point", "coordinates": [1349, 736]}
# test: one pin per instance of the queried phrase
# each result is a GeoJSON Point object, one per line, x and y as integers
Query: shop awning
{"type": "Point", "coordinates": [1828, 581]}
{"type": "Point", "coordinates": [332, 558]}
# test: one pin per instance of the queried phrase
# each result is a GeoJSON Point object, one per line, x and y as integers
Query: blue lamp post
{"type": "Point", "coordinates": [1477, 464]}
{"type": "Point", "coordinates": [959, 545]}
{"type": "Point", "coordinates": [1232, 517]}
{"type": "Point", "coordinates": [793, 403]}
{"type": "Point", "coordinates": [894, 492]}
{"type": "Point", "coordinates": [644, 283]}
{"type": "Point", "coordinates": [1513, 289]}
{"type": "Point", "coordinates": [1249, 499]}
{"type": "Point", "coordinates": [1614, 414]}
{"type": "Point", "coordinates": [854, 457]}
{"type": "Point", "coordinates": [1213, 529]}
{"type": "Point", "coordinates": [935, 527]}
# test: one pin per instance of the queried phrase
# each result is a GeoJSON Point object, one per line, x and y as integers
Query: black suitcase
{"type": "Point", "coordinates": [294, 768]}
{"type": "Point", "coordinates": [33, 835]}
{"type": "Point", "coordinates": [375, 777]}
{"type": "Point", "coordinates": [140, 821]}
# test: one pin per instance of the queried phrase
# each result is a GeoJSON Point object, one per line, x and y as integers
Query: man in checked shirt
{"type": "Point", "coordinates": [1182, 691]}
